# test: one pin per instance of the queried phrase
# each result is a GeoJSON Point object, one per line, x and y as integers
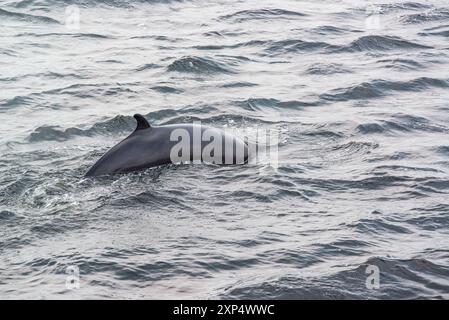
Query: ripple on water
{"type": "Point", "coordinates": [411, 279]}
{"type": "Point", "coordinates": [431, 15]}
{"type": "Point", "coordinates": [24, 17]}
{"type": "Point", "coordinates": [200, 65]}
{"type": "Point", "coordinates": [379, 88]}
{"type": "Point", "coordinates": [362, 173]}
{"type": "Point", "coordinates": [262, 14]}
{"type": "Point", "coordinates": [382, 43]}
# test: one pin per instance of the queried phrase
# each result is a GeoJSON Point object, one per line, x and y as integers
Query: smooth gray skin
{"type": "Point", "coordinates": [150, 146]}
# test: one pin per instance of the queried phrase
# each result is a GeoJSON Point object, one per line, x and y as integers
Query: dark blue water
{"type": "Point", "coordinates": [358, 91]}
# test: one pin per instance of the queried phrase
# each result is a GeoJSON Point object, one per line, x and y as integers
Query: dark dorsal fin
{"type": "Point", "coordinates": [142, 123]}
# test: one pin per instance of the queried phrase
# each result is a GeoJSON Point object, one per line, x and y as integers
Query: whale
{"type": "Point", "coordinates": [151, 146]}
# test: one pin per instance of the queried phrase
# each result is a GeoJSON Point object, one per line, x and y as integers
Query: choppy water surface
{"type": "Point", "coordinates": [359, 91]}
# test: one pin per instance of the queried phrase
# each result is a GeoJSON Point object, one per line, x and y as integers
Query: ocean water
{"type": "Point", "coordinates": [357, 206]}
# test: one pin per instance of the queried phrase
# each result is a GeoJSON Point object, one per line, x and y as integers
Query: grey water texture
{"type": "Point", "coordinates": [358, 92]}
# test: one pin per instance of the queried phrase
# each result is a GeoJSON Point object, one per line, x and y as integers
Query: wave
{"type": "Point", "coordinates": [327, 30]}
{"type": "Point", "coordinates": [88, 3]}
{"type": "Point", "coordinates": [323, 133]}
{"type": "Point", "coordinates": [357, 150]}
{"type": "Point", "coordinates": [444, 33]}
{"type": "Point", "coordinates": [383, 168]}
{"type": "Point", "coordinates": [147, 66]}
{"type": "Point", "coordinates": [387, 8]}
{"type": "Point", "coordinates": [379, 88]}
{"type": "Point", "coordinates": [15, 102]}
{"type": "Point", "coordinates": [352, 148]}
{"type": "Point", "coordinates": [80, 90]}
{"type": "Point", "coordinates": [383, 127]}
{"type": "Point", "coordinates": [250, 43]}
{"type": "Point", "coordinates": [258, 104]}
{"type": "Point", "coordinates": [262, 14]}
{"type": "Point", "coordinates": [362, 44]}
{"type": "Point", "coordinates": [436, 28]}
{"type": "Point", "coordinates": [45, 75]}
{"type": "Point", "coordinates": [166, 89]}
{"type": "Point", "coordinates": [412, 122]}
{"type": "Point", "coordinates": [17, 16]}
{"type": "Point", "coordinates": [8, 52]}
{"type": "Point", "coordinates": [287, 46]}
{"type": "Point", "coordinates": [401, 64]}
{"type": "Point", "coordinates": [435, 14]}
{"type": "Point", "coordinates": [378, 225]}
{"type": "Point", "coordinates": [444, 150]}
{"type": "Point", "coordinates": [383, 9]}
{"type": "Point", "coordinates": [437, 185]}
{"type": "Point", "coordinates": [216, 120]}
{"type": "Point", "coordinates": [126, 124]}
{"type": "Point", "coordinates": [326, 69]}
{"type": "Point", "coordinates": [200, 65]}
{"type": "Point", "coordinates": [341, 247]}
{"type": "Point", "coordinates": [53, 133]}
{"type": "Point", "coordinates": [399, 279]}
{"type": "Point", "coordinates": [7, 216]}
{"type": "Point", "coordinates": [381, 43]}
{"type": "Point", "coordinates": [76, 90]}
{"type": "Point", "coordinates": [65, 34]}
{"type": "Point", "coordinates": [401, 123]}
{"type": "Point", "coordinates": [433, 217]}
{"type": "Point", "coordinates": [239, 85]}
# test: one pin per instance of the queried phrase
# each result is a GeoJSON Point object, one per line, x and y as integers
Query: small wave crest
{"type": "Point", "coordinates": [288, 46]}
{"type": "Point", "coordinates": [378, 88]}
{"type": "Point", "coordinates": [401, 279]}
{"type": "Point", "coordinates": [382, 43]}
{"type": "Point", "coordinates": [325, 69]}
{"type": "Point", "coordinates": [433, 14]}
{"type": "Point", "coordinates": [200, 65]}
{"type": "Point", "coordinates": [25, 17]}
{"type": "Point", "coordinates": [53, 133]}
{"type": "Point", "coordinates": [262, 14]}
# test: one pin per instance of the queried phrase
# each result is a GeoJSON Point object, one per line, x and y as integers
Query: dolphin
{"type": "Point", "coordinates": [150, 146]}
